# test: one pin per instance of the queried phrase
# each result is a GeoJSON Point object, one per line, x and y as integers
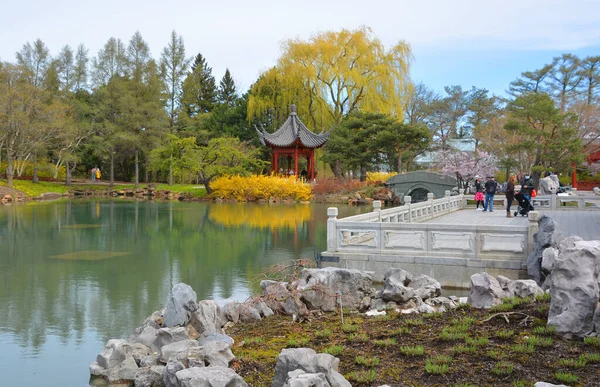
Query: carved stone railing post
{"type": "Point", "coordinates": [553, 202]}
{"type": "Point", "coordinates": [532, 228]}
{"type": "Point", "coordinates": [430, 200]}
{"type": "Point", "coordinates": [377, 208]}
{"type": "Point", "coordinates": [463, 202]}
{"type": "Point", "coordinates": [407, 200]}
{"type": "Point", "coordinates": [447, 197]}
{"type": "Point", "coordinates": [332, 213]}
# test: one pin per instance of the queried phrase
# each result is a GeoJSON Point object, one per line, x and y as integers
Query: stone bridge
{"type": "Point", "coordinates": [418, 184]}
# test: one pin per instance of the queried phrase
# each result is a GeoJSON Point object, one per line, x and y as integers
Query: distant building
{"type": "Point", "coordinates": [459, 145]}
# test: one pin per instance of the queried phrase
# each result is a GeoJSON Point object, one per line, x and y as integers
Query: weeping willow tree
{"type": "Point", "coordinates": [332, 75]}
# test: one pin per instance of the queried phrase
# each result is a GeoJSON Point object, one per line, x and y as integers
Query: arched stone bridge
{"type": "Point", "coordinates": [418, 184]}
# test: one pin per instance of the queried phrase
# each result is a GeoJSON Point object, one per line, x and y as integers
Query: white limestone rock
{"type": "Point", "coordinates": [485, 291]}
{"type": "Point", "coordinates": [182, 303]}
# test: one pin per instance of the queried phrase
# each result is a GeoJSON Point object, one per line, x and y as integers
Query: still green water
{"type": "Point", "coordinates": [74, 274]}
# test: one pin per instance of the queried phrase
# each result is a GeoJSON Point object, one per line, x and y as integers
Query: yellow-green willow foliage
{"type": "Point", "coordinates": [333, 74]}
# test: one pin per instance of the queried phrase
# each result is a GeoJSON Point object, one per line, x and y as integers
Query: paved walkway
{"type": "Point", "coordinates": [585, 224]}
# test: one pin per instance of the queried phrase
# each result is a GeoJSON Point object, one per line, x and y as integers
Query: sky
{"type": "Point", "coordinates": [486, 44]}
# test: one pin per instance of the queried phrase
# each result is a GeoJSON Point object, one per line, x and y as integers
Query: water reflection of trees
{"type": "Point", "coordinates": [196, 243]}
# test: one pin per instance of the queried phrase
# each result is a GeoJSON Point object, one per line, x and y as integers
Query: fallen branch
{"type": "Point", "coordinates": [527, 319]}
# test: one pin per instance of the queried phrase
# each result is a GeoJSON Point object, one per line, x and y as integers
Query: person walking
{"type": "Point", "coordinates": [94, 174]}
{"type": "Point", "coordinates": [98, 174]}
{"type": "Point", "coordinates": [490, 191]}
{"type": "Point", "coordinates": [510, 195]}
{"type": "Point", "coordinates": [478, 193]}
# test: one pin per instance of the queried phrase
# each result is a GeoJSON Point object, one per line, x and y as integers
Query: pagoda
{"type": "Point", "coordinates": [292, 141]}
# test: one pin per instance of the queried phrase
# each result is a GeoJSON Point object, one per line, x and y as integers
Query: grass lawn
{"type": "Point", "coordinates": [463, 347]}
{"type": "Point", "coordinates": [36, 189]}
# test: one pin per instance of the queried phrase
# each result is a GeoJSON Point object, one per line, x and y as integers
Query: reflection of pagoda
{"type": "Point", "coordinates": [292, 141]}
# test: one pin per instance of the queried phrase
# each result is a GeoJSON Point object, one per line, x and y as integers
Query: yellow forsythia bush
{"type": "Point", "coordinates": [380, 176]}
{"type": "Point", "coordinates": [260, 187]}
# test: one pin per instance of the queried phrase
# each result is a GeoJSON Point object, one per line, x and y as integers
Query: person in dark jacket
{"type": "Point", "coordinates": [527, 187]}
{"type": "Point", "coordinates": [490, 190]}
{"type": "Point", "coordinates": [510, 195]}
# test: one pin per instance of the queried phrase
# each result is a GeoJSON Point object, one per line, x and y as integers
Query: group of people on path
{"type": "Point", "coordinates": [96, 174]}
{"type": "Point", "coordinates": [491, 186]}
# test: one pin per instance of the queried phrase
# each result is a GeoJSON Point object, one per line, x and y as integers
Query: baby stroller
{"type": "Point", "coordinates": [524, 205]}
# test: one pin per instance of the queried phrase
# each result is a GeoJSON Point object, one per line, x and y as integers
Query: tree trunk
{"type": "Point", "coordinates": [363, 173]}
{"type": "Point", "coordinates": [171, 170]}
{"type": "Point", "coordinates": [35, 176]}
{"type": "Point", "coordinates": [137, 169]}
{"type": "Point", "coordinates": [399, 163]}
{"type": "Point", "coordinates": [68, 178]}
{"type": "Point", "coordinates": [146, 172]}
{"type": "Point", "coordinates": [9, 169]}
{"type": "Point", "coordinates": [112, 168]}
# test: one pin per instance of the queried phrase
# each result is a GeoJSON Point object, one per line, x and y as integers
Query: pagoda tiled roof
{"type": "Point", "coordinates": [290, 132]}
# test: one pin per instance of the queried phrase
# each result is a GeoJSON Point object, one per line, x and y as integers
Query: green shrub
{"type": "Point", "coordinates": [416, 322]}
{"type": "Point", "coordinates": [504, 334]}
{"type": "Point", "coordinates": [547, 330]}
{"type": "Point", "coordinates": [363, 377]}
{"type": "Point", "coordinates": [385, 343]}
{"type": "Point", "coordinates": [416, 350]}
{"type": "Point", "coordinates": [349, 328]}
{"type": "Point", "coordinates": [566, 377]}
{"type": "Point", "coordinates": [545, 297]}
{"type": "Point", "coordinates": [323, 334]}
{"type": "Point", "coordinates": [503, 368]}
{"type": "Point", "coordinates": [462, 348]}
{"type": "Point", "coordinates": [592, 358]}
{"type": "Point", "coordinates": [593, 341]}
{"type": "Point", "coordinates": [523, 348]}
{"type": "Point", "coordinates": [573, 363]}
{"type": "Point", "coordinates": [359, 337]}
{"type": "Point", "coordinates": [478, 342]}
{"type": "Point", "coordinates": [367, 361]}
{"type": "Point", "coordinates": [297, 343]}
{"type": "Point", "coordinates": [334, 350]}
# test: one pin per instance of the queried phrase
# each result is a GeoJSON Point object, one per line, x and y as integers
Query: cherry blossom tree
{"type": "Point", "coordinates": [465, 166]}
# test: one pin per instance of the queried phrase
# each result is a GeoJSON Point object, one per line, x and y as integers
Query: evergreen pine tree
{"type": "Point", "coordinates": [199, 88]}
{"type": "Point", "coordinates": [227, 91]}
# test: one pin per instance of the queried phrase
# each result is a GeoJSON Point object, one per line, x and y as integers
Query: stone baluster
{"type": "Point", "coordinates": [377, 209]}
{"type": "Point", "coordinates": [430, 200]}
{"type": "Point", "coordinates": [407, 200]}
{"type": "Point", "coordinates": [447, 197]}
{"type": "Point", "coordinates": [532, 228]}
{"type": "Point", "coordinates": [332, 213]}
{"type": "Point", "coordinates": [463, 201]}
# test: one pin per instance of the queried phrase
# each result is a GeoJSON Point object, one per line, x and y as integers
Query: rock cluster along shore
{"type": "Point", "coordinates": [185, 343]}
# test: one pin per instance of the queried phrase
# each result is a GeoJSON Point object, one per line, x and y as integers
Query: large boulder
{"type": "Point", "coordinates": [169, 374]}
{"type": "Point", "coordinates": [485, 291]}
{"type": "Point", "coordinates": [299, 378]}
{"type": "Point", "coordinates": [574, 287]}
{"type": "Point", "coordinates": [168, 336]}
{"type": "Point", "coordinates": [182, 303]}
{"type": "Point", "coordinates": [396, 286]}
{"type": "Point", "coordinates": [425, 287]}
{"type": "Point", "coordinates": [210, 377]}
{"type": "Point", "coordinates": [323, 288]}
{"type": "Point", "coordinates": [126, 370]}
{"type": "Point", "coordinates": [309, 361]}
{"type": "Point", "coordinates": [178, 350]}
{"type": "Point", "coordinates": [544, 238]}
{"type": "Point", "coordinates": [150, 376]}
{"type": "Point", "coordinates": [114, 353]}
{"type": "Point", "coordinates": [524, 288]}
{"type": "Point", "coordinates": [209, 317]}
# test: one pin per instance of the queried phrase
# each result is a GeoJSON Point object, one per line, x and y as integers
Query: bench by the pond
{"type": "Point", "coordinates": [408, 237]}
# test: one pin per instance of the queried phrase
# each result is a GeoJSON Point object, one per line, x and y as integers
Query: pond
{"type": "Point", "coordinates": [74, 274]}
